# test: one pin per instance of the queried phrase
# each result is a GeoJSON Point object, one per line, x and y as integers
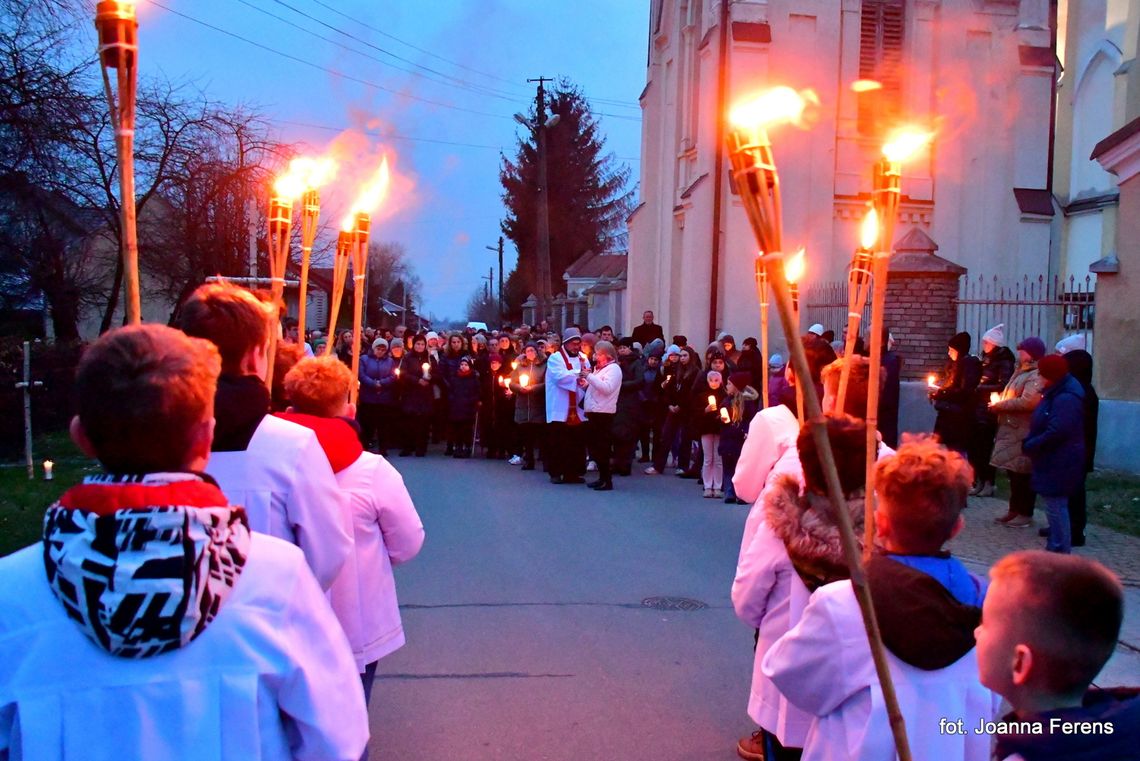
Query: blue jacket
{"type": "Point", "coordinates": [378, 382]}
{"type": "Point", "coordinates": [1056, 440]}
{"type": "Point", "coordinates": [462, 396]}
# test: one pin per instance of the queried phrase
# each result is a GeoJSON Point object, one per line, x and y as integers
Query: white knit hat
{"type": "Point", "coordinates": [1071, 343]}
{"type": "Point", "coordinates": [995, 335]}
{"type": "Point", "coordinates": [817, 329]}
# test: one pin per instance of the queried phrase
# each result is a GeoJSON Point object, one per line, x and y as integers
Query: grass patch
{"type": "Point", "coordinates": [1113, 500]}
{"type": "Point", "coordinates": [22, 500]}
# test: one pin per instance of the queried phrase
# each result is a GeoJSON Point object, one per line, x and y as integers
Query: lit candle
{"type": "Point", "coordinates": [930, 381]}
{"type": "Point", "coordinates": [515, 365]}
{"type": "Point", "coordinates": [995, 397]}
{"type": "Point", "coordinates": [397, 372]}
{"type": "Point", "coordinates": [426, 367]}
{"type": "Point", "coordinates": [712, 400]}
{"type": "Point", "coordinates": [524, 379]}
{"type": "Point", "coordinates": [48, 466]}
{"type": "Point", "coordinates": [724, 414]}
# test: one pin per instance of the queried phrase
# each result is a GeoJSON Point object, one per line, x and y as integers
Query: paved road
{"type": "Point", "coordinates": [527, 638]}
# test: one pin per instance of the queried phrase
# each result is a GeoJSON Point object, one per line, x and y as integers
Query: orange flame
{"type": "Point", "coordinates": [304, 173]}
{"type": "Point", "coordinates": [866, 85]}
{"type": "Point", "coordinates": [904, 142]}
{"type": "Point", "coordinates": [869, 231]}
{"type": "Point", "coordinates": [795, 267]}
{"type": "Point", "coordinates": [779, 105]}
{"type": "Point", "coordinates": [371, 195]}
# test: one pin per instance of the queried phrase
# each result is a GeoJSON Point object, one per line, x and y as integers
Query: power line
{"type": "Point", "coordinates": [326, 69]}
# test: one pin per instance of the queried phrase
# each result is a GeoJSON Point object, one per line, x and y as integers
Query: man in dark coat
{"type": "Point", "coordinates": [1080, 367]}
{"type": "Point", "coordinates": [647, 330]}
{"type": "Point", "coordinates": [1056, 447]}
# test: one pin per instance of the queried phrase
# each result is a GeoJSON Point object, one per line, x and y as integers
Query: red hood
{"type": "Point", "coordinates": [336, 436]}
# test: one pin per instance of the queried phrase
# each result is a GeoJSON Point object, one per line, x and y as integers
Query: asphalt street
{"type": "Point", "coordinates": [527, 636]}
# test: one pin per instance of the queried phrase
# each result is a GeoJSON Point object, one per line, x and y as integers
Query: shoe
{"type": "Point", "coordinates": [1043, 532]}
{"type": "Point", "coordinates": [708, 494]}
{"type": "Point", "coordinates": [605, 486]}
{"type": "Point", "coordinates": [650, 471]}
{"type": "Point", "coordinates": [690, 474]}
{"type": "Point", "coordinates": [740, 501]}
{"type": "Point", "coordinates": [751, 748]}
{"type": "Point", "coordinates": [591, 467]}
{"type": "Point", "coordinates": [516, 460]}
{"type": "Point", "coordinates": [623, 472]}
{"type": "Point", "coordinates": [986, 491]}
{"type": "Point", "coordinates": [573, 480]}
{"type": "Point", "coordinates": [421, 454]}
{"type": "Point", "coordinates": [449, 452]}
{"type": "Point", "coordinates": [557, 480]}
{"type": "Point", "coordinates": [643, 459]}
{"type": "Point", "coordinates": [1005, 518]}
{"type": "Point", "coordinates": [975, 490]}
{"type": "Point", "coordinates": [1078, 541]}
{"type": "Point", "coordinates": [679, 472]}
{"type": "Point", "coordinates": [717, 494]}
{"type": "Point", "coordinates": [528, 466]}
{"type": "Point", "coordinates": [1021, 521]}
{"type": "Point", "coordinates": [730, 500]}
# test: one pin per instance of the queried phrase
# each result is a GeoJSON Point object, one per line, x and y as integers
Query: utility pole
{"type": "Point", "coordinates": [251, 220]}
{"type": "Point", "coordinates": [545, 297]}
{"type": "Point", "coordinates": [501, 302]}
{"type": "Point", "coordinates": [487, 286]}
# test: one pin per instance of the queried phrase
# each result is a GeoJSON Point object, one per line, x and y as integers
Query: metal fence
{"type": "Point", "coordinates": [1050, 307]}
{"type": "Point", "coordinates": [826, 303]}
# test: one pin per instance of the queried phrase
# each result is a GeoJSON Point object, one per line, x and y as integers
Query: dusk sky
{"type": "Point", "coordinates": [446, 207]}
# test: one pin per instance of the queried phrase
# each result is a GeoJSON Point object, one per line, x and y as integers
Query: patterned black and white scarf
{"type": "Point", "coordinates": [144, 563]}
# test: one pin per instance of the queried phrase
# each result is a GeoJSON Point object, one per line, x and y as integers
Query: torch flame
{"type": "Point", "coordinates": [795, 267]}
{"type": "Point", "coordinates": [866, 85]}
{"type": "Point", "coordinates": [905, 142]}
{"type": "Point", "coordinates": [869, 232]}
{"type": "Point", "coordinates": [305, 174]}
{"type": "Point", "coordinates": [371, 195]}
{"type": "Point", "coordinates": [779, 105]}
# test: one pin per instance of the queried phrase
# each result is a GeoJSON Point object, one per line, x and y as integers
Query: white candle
{"type": "Point", "coordinates": [515, 365]}
{"type": "Point", "coordinates": [712, 400]}
{"type": "Point", "coordinates": [995, 397]}
{"type": "Point", "coordinates": [426, 367]}
{"type": "Point", "coordinates": [524, 379]}
{"type": "Point", "coordinates": [397, 372]}
{"type": "Point", "coordinates": [724, 414]}
{"type": "Point", "coordinates": [48, 466]}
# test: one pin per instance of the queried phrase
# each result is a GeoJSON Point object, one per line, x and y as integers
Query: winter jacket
{"type": "Point", "coordinates": [274, 469]}
{"type": "Point", "coordinates": [771, 433]}
{"type": "Point", "coordinates": [997, 369]}
{"type": "Point", "coordinates": [1056, 440]}
{"type": "Point", "coordinates": [101, 653]}
{"type": "Point", "coordinates": [1080, 365]}
{"type": "Point", "coordinates": [955, 401]}
{"type": "Point", "coordinates": [628, 418]}
{"type": "Point", "coordinates": [417, 398]}
{"type": "Point", "coordinates": [751, 362]}
{"type": "Point", "coordinates": [1119, 707]}
{"type": "Point", "coordinates": [794, 543]}
{"type": "Point", "coordinates": [378, 381]}
{"type": "Point", "coordinates": [449, 366]}
{"type": "Point", "coordinates": [603, 386]}
{"type": "Point", "coordinates": [1021, 396]}
{"type": "Point", "coordinates": [530, 402]}
{"type": "Point", "coordinates": [643, 333]}
{"type": "Point", "coordinates": [733, 433]}
{"type": "Point", "coordinates": [889, 398]}
{"type": "Point", "coordinates": [702, 421]}
{"type": "Point", "coordinates": [823, 666]}
{"type": "Point", "coordinates": [463, 397]}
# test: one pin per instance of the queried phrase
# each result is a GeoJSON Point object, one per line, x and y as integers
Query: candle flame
{"type": "Point", "coordinates": [371, 195]}
{"type": "Point", "coordinates": [869, 232]}
{"type": "Point", "coordinates": [795, 267]}
{"type": "Point", "coordinates": [904, 142]}
{"type": "Point", "coordinates": [779, 105]}
{"type": "Point", "coordinates": [930, 381]}
{"type": "Point", "coordinates": [995, 397]}
{"type": "Point", "coordinates": [524, 379]}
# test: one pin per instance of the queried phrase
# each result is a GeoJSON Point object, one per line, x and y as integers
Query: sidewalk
{"type": "Point", "coordinates": [983, 542]}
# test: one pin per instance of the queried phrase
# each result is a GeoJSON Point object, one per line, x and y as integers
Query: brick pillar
{"type": "Point", "coordinates": [529, 310]}
{"type": "Point", "coordinates": [921, 307]}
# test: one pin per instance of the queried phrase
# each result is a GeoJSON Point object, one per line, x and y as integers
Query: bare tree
{"type": "Point", "coordinates": [390, 275]}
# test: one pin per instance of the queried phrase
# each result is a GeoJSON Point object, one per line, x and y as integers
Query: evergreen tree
{"type": "Point", "coordinates": [588, 195]}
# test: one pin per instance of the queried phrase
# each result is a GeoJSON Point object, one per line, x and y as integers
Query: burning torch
{"type": "Point", "coordinates": [360, 225]}
{"type": "Point", "coordinates": [756, 177]}
{"type": "Point", "coordinates": [886, 190]}
{"type": "Point", "coordinates": [118, 30]}
{"type": "Point", "coordinates": [285, 189]}
{"type": "Point", "coordinates": [316, 172]}
{"type": "Point", "coordinates": [858, 288]}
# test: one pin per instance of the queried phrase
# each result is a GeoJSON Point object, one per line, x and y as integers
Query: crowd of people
{"type": "Point", "coordinates": [223, 589]}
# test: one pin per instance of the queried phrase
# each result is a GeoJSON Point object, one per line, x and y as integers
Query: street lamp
{"type": "Point", "coordinates": [116, 23]}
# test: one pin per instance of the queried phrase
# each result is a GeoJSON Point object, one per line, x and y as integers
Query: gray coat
{"type": "Point", "coordinates": [1021, 396]}
{"type": "Point", "coordinates": [530, 405]}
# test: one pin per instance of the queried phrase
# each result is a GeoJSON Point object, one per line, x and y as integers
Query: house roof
{"type": "Point", "coordinates": [591, 266]}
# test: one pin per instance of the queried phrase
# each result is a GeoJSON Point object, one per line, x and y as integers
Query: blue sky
{"type": "Point", "coordinates": [446, 205]}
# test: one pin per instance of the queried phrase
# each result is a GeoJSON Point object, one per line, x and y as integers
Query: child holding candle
{"type": "Point", "coordinates": [739, 407]}
{"type": "Point", "coordinates": [104, 620]}
{"type": "Point", "coordinates": [528, 382]}
{"type": "Point", "coordinates": [706, 423]}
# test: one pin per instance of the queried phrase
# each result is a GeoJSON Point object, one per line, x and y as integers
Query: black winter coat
{"type": "Point", "coordinates": [415, 397]}
{"type": "Point", "coordinates": [701, 421]}
{"type": "Point", "coordinates": [997, 369]}
{"type": "Point", "coordinates": [462, 397]}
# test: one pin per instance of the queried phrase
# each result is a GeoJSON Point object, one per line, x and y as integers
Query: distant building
{"type": "Point", "coordinates": [980, 72]}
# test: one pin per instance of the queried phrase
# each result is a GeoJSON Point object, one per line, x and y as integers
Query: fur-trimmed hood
{"type": "Point", "coordinates": [805, 526]}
